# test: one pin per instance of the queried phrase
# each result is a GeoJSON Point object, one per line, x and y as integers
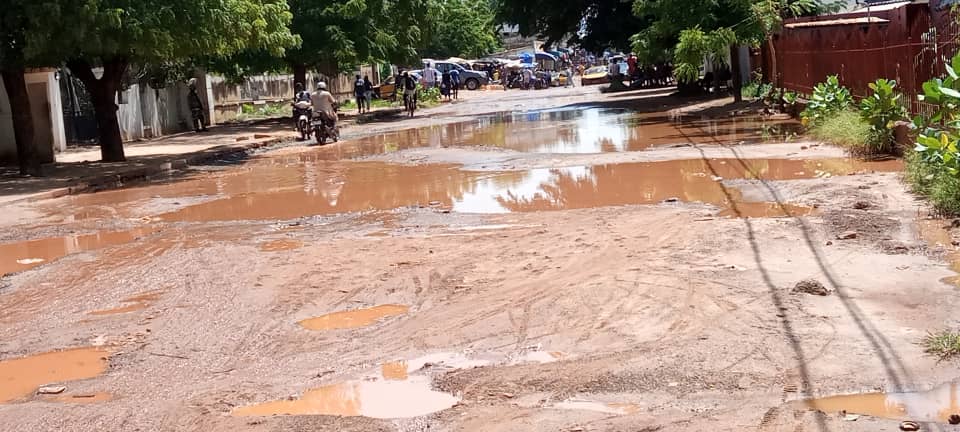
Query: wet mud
{"type": "Point", "coordinates": [935, 405]}
{"type": "Point", "coordinates": [22, 376]}
{"type": "Point", "coordinates": [607, 408]}
{"type": "Point", "coordinates": [353, 318]}
{"type": "Point", "coordinates": [19, 256]}
{"type": "Point", "coordinates": [411, 397]}
{"type": "Point", "coordinates": [131, 304]}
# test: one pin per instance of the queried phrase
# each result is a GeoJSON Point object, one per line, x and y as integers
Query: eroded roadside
{"type": "Point", "coordinates": [619, 288]}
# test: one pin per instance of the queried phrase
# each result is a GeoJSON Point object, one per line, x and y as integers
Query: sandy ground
{"type": "Point", "coordinates": [626, 318]}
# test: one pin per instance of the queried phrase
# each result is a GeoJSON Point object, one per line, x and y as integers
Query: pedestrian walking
{"type": "Point", "coordinates": [367, 91]}
{"type": "Point", "coordinates": [196, 108]}
{"type": "Point", "coordinates": [445, 84]}
{"type": "Point", "coordinates": [455, 83]}
{"type": "Point", "coordinates": [358, 93]}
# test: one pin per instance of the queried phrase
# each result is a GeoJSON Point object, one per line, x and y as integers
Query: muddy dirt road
{"type": "Point", "coordinates": [608, 266]}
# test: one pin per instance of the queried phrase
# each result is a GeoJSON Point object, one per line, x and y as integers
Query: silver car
{"type": "Point", "coordinates": [470, 79]}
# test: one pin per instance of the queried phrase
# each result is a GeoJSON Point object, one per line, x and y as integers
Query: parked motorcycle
{"type": "Point", "coordinates": [303, 111]}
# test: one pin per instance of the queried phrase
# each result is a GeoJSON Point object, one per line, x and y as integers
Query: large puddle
{"type": "Point", "coordinates": [15, 257]}
{"type": "Point", "coordinates": [22, 376]}
{"type": "Point", "coordinates": [586, 130]}
{"type": "Point", "coordinates": [331, 188]}
{"type": "Point", "coordinates": [936, 405]}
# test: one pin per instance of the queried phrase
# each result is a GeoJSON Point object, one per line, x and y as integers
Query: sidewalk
{"type": "Point", "coordinates": [80, 170]}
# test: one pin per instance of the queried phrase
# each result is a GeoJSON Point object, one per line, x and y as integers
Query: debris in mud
{"type": "Point", "coordinates": [868, 226]}
{"type": "Point", "coordinates": [909, 426]}
{"type": "Point", "coordinates": [23, 376]}
{"type": "Point", "coordinates": [953, 419]}
{"type": "Point", "coordinates": [51, 389]}
{"type": "Point", "coordinates": [672, 200]}
{"type": "Point", "coordinates": [862, 205]}
{"type": "Point", "coordinates": [812, 287]}
{"type": "Point", "coordinates": [851, 417]}
{"type": "Point", "coordinates": [847, 235]}
{"type": "Point", "coordinates": [891, 247]}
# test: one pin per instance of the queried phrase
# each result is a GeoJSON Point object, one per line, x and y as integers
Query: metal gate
{"type": "Point", "coordinates": [79, 121]}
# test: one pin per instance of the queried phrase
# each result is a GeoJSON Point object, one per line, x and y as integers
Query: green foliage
{"type": "Point", "coordinates": [428, 96]}
{"type": "Point", "coordinates": [880, 110]}
{"type": "Point", "coordinates": [757, 91]}
{"type": "Point", "coordinates": [694, 46]}
{"type": "Point", "coordinates": [943, 344]}
{"type": "Point", "coordinates": [939, 134]}
{"type": "Point", "coordinates": [790, 98]}
{"type": "Point", "coordinates": [156, 31]}
{"type": "Point", "coordinates": [460, 28]}
{"type": "Point", "coordinates": [341, 34]}
{"type": "Point", "coordinates": [592, 24]}
{"type": "Point", "coordinates": [844, 128]}
{"type": "Point", "coordinates": [828, 98]}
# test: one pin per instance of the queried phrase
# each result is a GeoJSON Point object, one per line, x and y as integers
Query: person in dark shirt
{"type": "Point", "coordinates": [196, 108]}
{"type": "Point", "coordinates": [367, 91]}
{"type": "Point", "coordinates": [358, 93]}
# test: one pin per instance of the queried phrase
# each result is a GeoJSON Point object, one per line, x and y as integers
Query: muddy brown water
{"type": "Point", "coordinates": [935, 405]}
{"type": "Point", "coordinates": [363, 186]}
{"type": "Point", "coordinates": [21, 256]}
{"type": "Point", "coordinates": [20, 377]}
{"type": "Point", "coordinates": [353, 318]}
{"type": "Point", "coordinates": [586, 130]}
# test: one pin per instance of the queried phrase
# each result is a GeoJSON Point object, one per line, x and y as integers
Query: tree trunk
{"type": "Point", "coordinates": [23, 133]}
{"type": "Point", "coordinates": [103, 93]}
{"type": "Point", "coordinates": [735, 73]}
{"type": "Point", "coordinates": [772, 50]}
{"type": "Point", "coordinates": [300, 74]}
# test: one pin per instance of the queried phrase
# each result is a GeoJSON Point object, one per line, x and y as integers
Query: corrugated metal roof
{"type": "Point", "coordinates": [881, 7]}
{"type": "Point", "coordinates": [841, 21]}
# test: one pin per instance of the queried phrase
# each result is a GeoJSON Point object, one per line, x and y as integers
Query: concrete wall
{"type": "Point", "coordinates": [49, 138]}
{"type": "Point", "coordinates": [146, 112]}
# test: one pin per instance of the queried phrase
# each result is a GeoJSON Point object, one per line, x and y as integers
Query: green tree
{"type": "Point", "coordinates": [593, 24]}
{"type": "Point", "coordinates": [464, 28]}
{"type": "Point", "coordinates": [341, 34]}
{"type": "Point", "coordinates": [13, 30]}
{"type": "Point", "coordinates": [113, 34]}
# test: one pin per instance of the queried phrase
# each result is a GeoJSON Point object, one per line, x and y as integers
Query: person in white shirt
{"type": "Point", "coordinates": [429, 75]}
{"type": "Point", "coordinates": [323, 102]}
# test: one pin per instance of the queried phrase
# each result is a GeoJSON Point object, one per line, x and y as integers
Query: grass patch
{"type": "Point", "coordinates": [943, 344]}
{"type": "Point", "coordinates": [941, 188]}
{"type": "Point", "coordinates": [847, 130]}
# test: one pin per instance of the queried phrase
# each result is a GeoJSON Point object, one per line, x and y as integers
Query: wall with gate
{"type": "Point", "coordinates": [909, 45]}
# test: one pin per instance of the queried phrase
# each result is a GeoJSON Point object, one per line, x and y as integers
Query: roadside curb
{"type": "Point", "coordinates": [131, 175]}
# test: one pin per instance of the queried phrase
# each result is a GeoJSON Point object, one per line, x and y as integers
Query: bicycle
{"type": "Point", "coordinates": [410, 103]}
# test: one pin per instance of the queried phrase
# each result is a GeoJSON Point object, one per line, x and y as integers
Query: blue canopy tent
{"type": "Point", "coordinates": [526, 57]}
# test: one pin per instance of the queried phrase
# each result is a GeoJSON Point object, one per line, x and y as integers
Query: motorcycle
{"type": "Point", "coordinates": [303, 112]}
{"type": "Point", "coordinates": [324, 128]}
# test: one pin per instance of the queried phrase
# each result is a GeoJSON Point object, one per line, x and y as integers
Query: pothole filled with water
{"type": "Point", "coordinates": [935, 405]}
{"type": "Point", "coordinates": [21, 377]}
{"type": "Point", "coordinates": [353, 318]}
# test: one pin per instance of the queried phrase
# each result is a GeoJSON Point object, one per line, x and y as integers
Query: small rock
{"type": "Point", "coordinates": [51, 389]}
{"type": "Point", "coordinates": [851, 417]}
{"type": "Point", "coordinates": [507, 395]}
{"type": "Point", "coordinates": [863, 187]}
{"type": "Point", "coordinates": [909, 426]}
{"type": "Point", "coordinates": [861, 205]}
{"type": "Point", "coordinates": [812, 287]}
{"type": "Point", "coordinates": [804, 147]}
{"type": "Point", "coordinates": [847, 235]}
{"type": "Point", "coordinates": [672, 200]}
{"type": "Point", "coordinates": [829, 243]}
{"type": "Point", "coordinates": [434, 203]}
{"type": "Point", "coordinates": [955, 223]}
{"type": "Point", "coordinates": [953, 419]}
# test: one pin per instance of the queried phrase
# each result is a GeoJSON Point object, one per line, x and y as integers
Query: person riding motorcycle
{"type": "Point", "coordinates": [324, 104]}
{"type": "Point", "coordinates": [301, 103]}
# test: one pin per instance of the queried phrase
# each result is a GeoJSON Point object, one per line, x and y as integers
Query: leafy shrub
{"type": "Point", "coordinates": [935, 168]}
{"type": "Point", "coordinates": [880, 110]}
{"type": "Point", "coordinates": [846, 129]}
{"type": "Point", "coordinates": [828, 97]}
{"type": "Point", "coordinates": [790, 98]}
{"type": "Point", "coordinates": [428, 96]}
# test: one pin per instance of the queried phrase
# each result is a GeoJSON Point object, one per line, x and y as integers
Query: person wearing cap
{"type": "Point", "coordinates": [324, 102]}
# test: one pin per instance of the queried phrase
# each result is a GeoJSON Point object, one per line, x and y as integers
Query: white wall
{"type": "Point", "coordinates": [52, 129]}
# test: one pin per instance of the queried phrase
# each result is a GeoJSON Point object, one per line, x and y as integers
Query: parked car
{"type": "Point", "coordinates": [470, 79]}
{"type": "Point", "coordinates": [595, 75]}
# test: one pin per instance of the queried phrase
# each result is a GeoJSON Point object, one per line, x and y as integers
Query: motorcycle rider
{"type": "Point", "coordinates": [301, 95]}
{"type": "Point", "coordinates": [324, 103]}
